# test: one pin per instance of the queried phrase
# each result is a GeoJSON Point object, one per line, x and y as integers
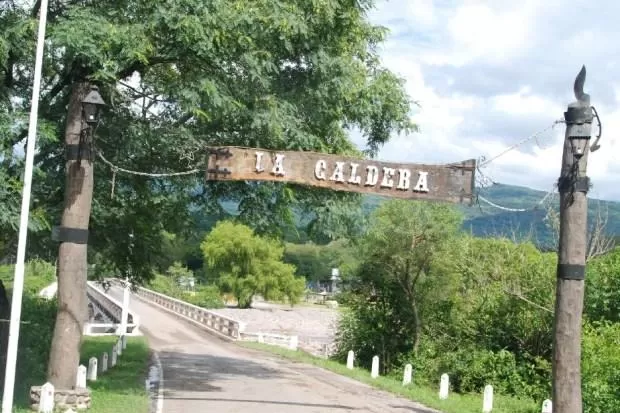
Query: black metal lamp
{"type": "Point", "coordinates": [579, 145]}
{"type": "Point", "coordinates": [91, 106]}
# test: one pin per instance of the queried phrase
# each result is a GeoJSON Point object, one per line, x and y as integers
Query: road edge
{"type": "Point", "coordinates": [155, 384]}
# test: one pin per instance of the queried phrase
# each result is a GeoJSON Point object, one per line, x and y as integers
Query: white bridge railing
{"type": "Point", "coordinates": [212, 321]}
{"type": "Point", "coordinates": [113, 311]}
{"type": "Point", "coordinates": [216, 323]}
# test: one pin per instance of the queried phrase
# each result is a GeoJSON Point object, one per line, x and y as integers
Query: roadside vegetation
{"type": "Point", "coordinates": [119, 389]}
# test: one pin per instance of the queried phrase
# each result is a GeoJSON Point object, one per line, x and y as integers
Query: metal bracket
{"type": "Point", "coordinates": [568, 184]}
{"type": "Point", "coordinates": [78, 152]}
{"type": "Point", "coordinates": [571, 272]}
{"type": "Point", "coordinates": [217, 171]}
{"type": "Point", "coordinates": [578, 115]}
{"type": "Point", "coordinates": [74, 235]}
{"type": "Point", "coordinates": [220, 152]}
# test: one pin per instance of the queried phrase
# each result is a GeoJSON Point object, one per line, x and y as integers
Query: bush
{"type": "Point", "coordinates": [38, 275]}
{"type": "Point", "coordinates": [205, 296]}
{"type": "Point", "coordinates": [38, 319]}
{"type": "Point", "coordinates": [601, 368]}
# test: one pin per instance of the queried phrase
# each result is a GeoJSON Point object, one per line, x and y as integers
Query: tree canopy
{"type": "Point", "coordinates": [178, 75]}
{"type": "Point", "coordinates": [245, 264]}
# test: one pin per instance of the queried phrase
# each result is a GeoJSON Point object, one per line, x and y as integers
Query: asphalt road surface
{"type": "Point", "coordinates": [203, 373]}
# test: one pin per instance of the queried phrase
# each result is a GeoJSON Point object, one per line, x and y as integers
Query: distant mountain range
{"type": "Point", "coordinates": [514, 211]}
{"type": "Point", "coordinates": [503, 210]}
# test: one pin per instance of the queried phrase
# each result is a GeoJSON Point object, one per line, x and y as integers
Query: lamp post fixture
{"type": "Point", "coordinates": [91, 106]}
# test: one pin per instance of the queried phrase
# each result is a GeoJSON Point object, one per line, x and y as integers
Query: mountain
{"type": "Point", "coordinates": [518, 212]}
{"type": "Point", "coordinates": [500, 210]}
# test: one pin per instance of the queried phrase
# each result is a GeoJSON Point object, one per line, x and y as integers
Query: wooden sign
{"type": "Point", "coordinates": [450, 182]}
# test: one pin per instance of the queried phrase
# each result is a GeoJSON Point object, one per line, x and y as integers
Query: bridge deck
{"type": "Point", "coordinates": [205, 374]}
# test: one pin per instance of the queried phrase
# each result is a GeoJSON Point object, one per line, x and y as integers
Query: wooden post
{"type": "Point", "coordinates": [72, 252]}
{"type": "Point", "coordinates": [573, 187]}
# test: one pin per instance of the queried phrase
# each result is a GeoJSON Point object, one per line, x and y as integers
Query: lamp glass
{"type": "Point", "coordinates": [578, 145]}
{"type": "Point", "coordinates": [91, 113]}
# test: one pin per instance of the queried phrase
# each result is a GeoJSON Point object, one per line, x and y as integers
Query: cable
{"type": "Point", "coordinates": [516, 145]}
{"type": "Point", "coordinates": [151, 175]}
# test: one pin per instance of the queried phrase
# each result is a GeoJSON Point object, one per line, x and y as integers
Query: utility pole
{"type": "Point", "coordinates": [573, 186]}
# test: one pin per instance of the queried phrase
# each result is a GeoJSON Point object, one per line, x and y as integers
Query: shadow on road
{"type": "Point", "coordinates": [197, 372]}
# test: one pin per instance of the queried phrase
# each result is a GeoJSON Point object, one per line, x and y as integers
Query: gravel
{"type": "Point", "coordinates": [314, 326]}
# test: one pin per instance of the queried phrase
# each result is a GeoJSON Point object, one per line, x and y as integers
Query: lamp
{"type": "Point", "coordinates": [91, 106]}
{"type": "Point", "coordinates": [578, 145]}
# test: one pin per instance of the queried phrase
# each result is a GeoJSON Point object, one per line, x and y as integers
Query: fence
{"type": "Point", "coordinates": [113, 311]}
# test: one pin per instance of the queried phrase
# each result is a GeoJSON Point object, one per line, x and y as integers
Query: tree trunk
{"type": "Point", "coordinates": [72, 259]}
{"type": "Point", "coordinates": [418, 326]}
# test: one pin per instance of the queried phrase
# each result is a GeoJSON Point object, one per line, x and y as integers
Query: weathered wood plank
{"type": "Point", "coordinates": [449, 182]}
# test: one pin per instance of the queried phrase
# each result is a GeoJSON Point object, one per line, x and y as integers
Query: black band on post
{"type": "Point", "coordinates": [571, 271]}
{"type": "Point", "coordinates": [74, 235]}
{"type": "Point", "coordinates": [567, 184]}
{"type": "Point", "coordinates": [75, 152]}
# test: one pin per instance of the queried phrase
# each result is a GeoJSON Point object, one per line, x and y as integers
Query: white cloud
{"type": "Point", "coordinates": [489, 73]}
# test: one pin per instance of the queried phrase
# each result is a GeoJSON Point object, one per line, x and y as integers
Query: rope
{"type": "Point", "coordinates": [151, 175]}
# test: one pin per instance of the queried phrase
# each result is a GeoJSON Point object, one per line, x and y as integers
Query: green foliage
{"type": "Point", "coordinates": [205, 296]}
{"type": "Point", "coordinates": [602, 286]}
{"type": "Point", "coordinates": [38, 274]}
{"type": "Point", "coordinates": [403, 258]}
{"type": "Point", "coordinates": [247, 264]}
{"type": "Point", "coordinates": [289, 74]}
{"type": "Point", "coordinates": [315, 262]}
{"type": "Point", "coordinates": [601, 367]}
{"type": "Point", "coordinates": [38, 318]}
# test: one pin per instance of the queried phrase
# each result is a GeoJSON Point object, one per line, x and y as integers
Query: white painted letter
{"type": "Point", "coordinates": [422, 185]}
{"type": "Point", "coordinates": [319, 169]}
{"type": "Point", "coordinates": [387, 181]}
{"type": "Point", "coordinates": [259, 162]}
{"type": "Point", "coordinates": [404, 179]}
{"type": "Point", "coordinates": [278, 165]}
{"type": "Point", "coordinates": [338, 174]}
{"type": "Point", "coordinates": [372, 175]}
{"type": "Point", "coordinates": [354, 179]}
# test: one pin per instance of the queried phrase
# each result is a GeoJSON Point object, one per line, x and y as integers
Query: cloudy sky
{"type": "Point", "coordinates": [488, 74]}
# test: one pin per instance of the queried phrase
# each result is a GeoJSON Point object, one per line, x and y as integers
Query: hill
{"type": "Point", "coordinates": [520, 212]}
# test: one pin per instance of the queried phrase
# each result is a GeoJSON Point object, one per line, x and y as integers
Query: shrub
{"type": "Point", "coordinates": [601, 368]}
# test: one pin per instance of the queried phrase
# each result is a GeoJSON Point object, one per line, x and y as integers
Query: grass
{"type": "Point", "coordinates": [428, 396]}
{"type": "Point", "coordinates": [119, 389]}
{"type": "Point", "coordinates": [122, 387]}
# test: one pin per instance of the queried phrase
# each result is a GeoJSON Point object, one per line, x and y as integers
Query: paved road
{"type": "Point", "coordinates": [205, 374]}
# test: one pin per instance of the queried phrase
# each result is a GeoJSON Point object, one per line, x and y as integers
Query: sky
{"type": "Point", "coordinates": [488, 74]}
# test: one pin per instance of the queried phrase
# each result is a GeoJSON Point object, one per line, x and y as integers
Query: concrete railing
{"type": "Point", "coordinates": [112, 310]}
{"type": "Point", "coordinates": [211, 321]}
{"type": "Point", "coordinates": [280, 340]}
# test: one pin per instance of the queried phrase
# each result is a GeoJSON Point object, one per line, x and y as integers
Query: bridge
{"type": "Point", "coordinates": [205, 370]}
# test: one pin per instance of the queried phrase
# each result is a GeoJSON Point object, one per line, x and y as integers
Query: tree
{"type": "Point", "coordinates": [247, 264]}
{"type": "Point", "coordinates": [179, 75]}
{"type": "Point", "coordinates": [404, 264]}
